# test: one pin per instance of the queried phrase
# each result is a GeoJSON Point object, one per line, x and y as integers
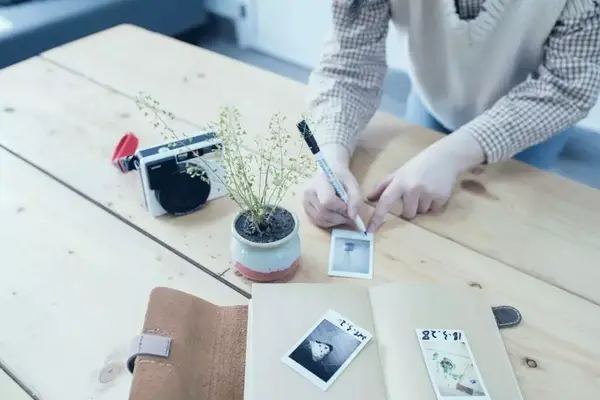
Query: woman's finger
{"type": "Point", "coordinates": [378, 190]}
{"type": "Point", "coordinates": [320, 215]}
{"type": "Point", "coordinates": [410, 203]}
{"type": "Point", "coordinates": [425, 203]}
{"type": "Point", "coordinates": [391, 194]}
{"type": "Point", "coordinates": [437, 204]}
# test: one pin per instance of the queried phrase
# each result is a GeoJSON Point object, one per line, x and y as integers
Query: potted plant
{"type": "Point", "coordinates": [265, 245]}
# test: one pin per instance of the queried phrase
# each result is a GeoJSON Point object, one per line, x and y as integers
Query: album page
{"type": "Point", "coordinates": [440, 342]}
{"type": "Point", "coordinates": [284, 325]}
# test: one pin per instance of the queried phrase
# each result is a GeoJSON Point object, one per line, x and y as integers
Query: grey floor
{"type": "Point", "coordinates": [579, 161]}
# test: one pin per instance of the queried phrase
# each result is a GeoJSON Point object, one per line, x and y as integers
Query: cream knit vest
{"type": "Point", "coordinates": [461, 68]}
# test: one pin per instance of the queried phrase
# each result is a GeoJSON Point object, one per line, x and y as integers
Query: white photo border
{"type": "Point", "coordinates": [333, 317]}
{"type": "Point", "coordinates": [354, 235]}
{"type": "Point", "coordinates": [430, 373]}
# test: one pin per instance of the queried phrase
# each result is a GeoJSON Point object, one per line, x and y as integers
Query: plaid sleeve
{"type": "Point", "coordinates": [345, 89]}
{"type": "Point", "coordinates": [565, 89]}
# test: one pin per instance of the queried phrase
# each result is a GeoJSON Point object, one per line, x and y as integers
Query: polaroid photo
{"type": "Point", "coordinates": [451, 366]}
{"type": "Point", "coordinates": [351, 254]}
{"type": "Point", "coordinates": [327, 349]}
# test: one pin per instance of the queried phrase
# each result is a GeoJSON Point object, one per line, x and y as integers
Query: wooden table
{"type": "Point", "coordinates": [82, 253]}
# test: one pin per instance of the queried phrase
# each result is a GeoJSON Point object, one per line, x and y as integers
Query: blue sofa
{"type": "Point", "coordinates": [33, 26]}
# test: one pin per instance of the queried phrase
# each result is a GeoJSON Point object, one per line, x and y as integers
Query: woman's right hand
{"type": "Point", "coordinates": [321, 204]}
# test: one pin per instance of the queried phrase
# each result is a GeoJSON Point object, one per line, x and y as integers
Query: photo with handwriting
{"type": "Point", "coordinates": [327, 349]}
{"type": "Point", "coordinates": [450, 364]}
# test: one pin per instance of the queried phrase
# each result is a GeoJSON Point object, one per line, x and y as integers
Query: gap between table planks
{"type": "Point", "coordinates": [77, 288]}
{"type": "Point", "coordinates": [10, 390]}
{"type": "Point", "coordinates": [539, 223]}
{"type": "Point", "coordinates": [72, 125]}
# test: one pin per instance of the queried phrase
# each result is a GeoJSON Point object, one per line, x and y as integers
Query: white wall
{"type": "Point", "coordinates": [293, 30]}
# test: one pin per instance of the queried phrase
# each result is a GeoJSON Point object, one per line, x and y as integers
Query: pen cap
{"type": "Point", "coordinates": [309, 138]}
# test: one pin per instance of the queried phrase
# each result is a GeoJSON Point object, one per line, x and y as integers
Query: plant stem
{"type": "Point", "coordinates": [283, 188]}
{"type": "Point", "coordinates": [260, 167]}
{"type": "Point", "coordinates": [229, 188]}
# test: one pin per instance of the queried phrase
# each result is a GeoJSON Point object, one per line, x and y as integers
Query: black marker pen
{"type": "Point", "coordinates": [337, 186]}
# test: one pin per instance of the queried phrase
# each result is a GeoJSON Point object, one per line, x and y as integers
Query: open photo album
{"type": "Point", "coordinates": [390, 342]}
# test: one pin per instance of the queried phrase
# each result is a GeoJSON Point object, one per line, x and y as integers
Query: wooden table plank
{"type": "Point", "coordinates": [542, 224]}
{"type": "Point", "coordinates": [69, 115]}
{"type": "Point", "coordinates": [75, 286]}
{"type": "Point", "coordinates": [537, 222]}
{"type": "Point", "coordinates": [10, 390]}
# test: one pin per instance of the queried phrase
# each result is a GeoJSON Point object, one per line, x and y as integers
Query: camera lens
{"type": "Point", "coordinates": [183, 194]}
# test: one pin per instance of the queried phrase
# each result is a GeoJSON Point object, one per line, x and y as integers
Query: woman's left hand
{"type": "Point", "coordinates": [426, 181]}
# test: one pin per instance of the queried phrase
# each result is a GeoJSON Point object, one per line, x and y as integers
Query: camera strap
{"type": "Point", "coordinates": [124, 157]}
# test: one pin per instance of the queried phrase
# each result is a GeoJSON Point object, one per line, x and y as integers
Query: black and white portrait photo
{"type": "Point", "coordinates": [351, 254]}
{"type": "Point", "coordinates": [325, 352]}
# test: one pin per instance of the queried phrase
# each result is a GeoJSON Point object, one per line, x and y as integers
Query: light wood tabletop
{"type": "Point", "coordinates": [83, 253]}
{"type": "Point", "coordinates": [75, 285]}
{"type": "Point", "coordinates": [10, 390]}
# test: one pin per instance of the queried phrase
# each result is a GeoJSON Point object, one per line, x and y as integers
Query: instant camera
{"type": "Point", "coordinates": [168, 185]}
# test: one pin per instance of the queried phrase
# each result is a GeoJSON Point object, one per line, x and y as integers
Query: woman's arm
{"type": "Point", "coordinates": [345, 88]}
{"type": "Point", "coordinates": [565, 89]}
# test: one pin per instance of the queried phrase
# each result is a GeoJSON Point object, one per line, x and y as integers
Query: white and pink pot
{"type": "Point", "coordinates": [266, 262]}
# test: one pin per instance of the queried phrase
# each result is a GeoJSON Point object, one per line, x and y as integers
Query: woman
{"type": "Point", "coordinates": [506, 78]}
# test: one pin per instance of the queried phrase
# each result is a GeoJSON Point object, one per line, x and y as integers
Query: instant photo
{"type": "Point", "coordinates": [450, 364]}
{"type": "Point", "coordinates": [351, 254]}
{"type": "Point", "coordinates": [327, 349]}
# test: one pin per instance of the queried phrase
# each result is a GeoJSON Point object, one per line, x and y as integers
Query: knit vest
{"type": "Point", "coordinates": [460, 68]}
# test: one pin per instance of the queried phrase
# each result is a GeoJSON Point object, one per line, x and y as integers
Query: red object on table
{"type": "Point", "coordinates": [126, 147]}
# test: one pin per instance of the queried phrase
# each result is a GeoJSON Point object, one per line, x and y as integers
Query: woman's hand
{"type": "Point", "coordinates": [426, 181]}
{"type": "Point", "coordinates": [321, 204]}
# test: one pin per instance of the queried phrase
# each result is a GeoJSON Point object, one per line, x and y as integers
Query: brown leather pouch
{"type": "Point", "coordinates": [189, 349]}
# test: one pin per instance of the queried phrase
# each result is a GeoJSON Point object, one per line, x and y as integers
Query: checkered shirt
{"type": "Point", "coordinates": [345, 91]}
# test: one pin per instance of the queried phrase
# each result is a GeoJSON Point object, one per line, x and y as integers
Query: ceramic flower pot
{"type": "Point", "coordinates": [266, 259]}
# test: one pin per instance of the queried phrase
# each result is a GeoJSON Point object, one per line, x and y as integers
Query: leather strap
{"type": "Point", "coordinates": [124, 157]}
{"type": "Point", "coordinates": [148, 345]}
{"type": "Point", "coordinates": [506, 316]}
